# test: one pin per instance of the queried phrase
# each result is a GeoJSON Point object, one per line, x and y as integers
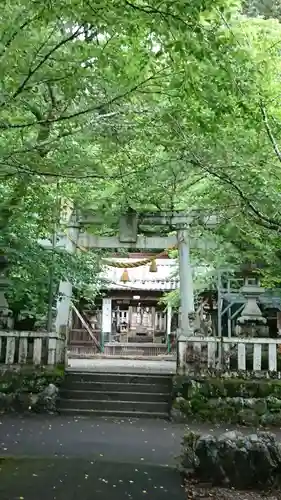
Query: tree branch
{"type": "Point", "coordinates": [29, 171]}
{"type": "Point", "coordinates": [147, 9]}
{"type": "Point", "coordinates": [17, 31]}
{"type": "Point", "coordinates": [264, 219]}
{"type": "Point", "coordinates": [44, 43]}
{"type": "Point", "coordinates": [99, 107]}
{"type": "Point", "coordinates": [269, 132]}
{"type": "Point", "coordinates": [44, 59]}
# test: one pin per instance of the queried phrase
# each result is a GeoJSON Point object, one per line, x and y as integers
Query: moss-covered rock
{"type": "Point", "coordinates": [248, 417]}
{"type": "Point", "coordinates": [271, 419]}
{"type": "Point", "coordinates": [178, 402]}
{"type": "Point", "coordinates": [22, 389]}
{"type": "Point", "coordinates": [6, 402]}
{"type": "Point", "coordinates": [178, 416]}
{"type": "Point", "coordinates": [273, 403]}
{"type": "Point", "coordinates": [218, 410]}
{"type": "Point", "coordinates": [227, 387]}
{"type": "Point", "coordinates": [231, 400]}
{"type": "Point", "coordinates": [258, 406]}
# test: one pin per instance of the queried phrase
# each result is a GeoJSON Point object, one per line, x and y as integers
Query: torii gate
{"type": "Point", "coordinates": [128, 237]}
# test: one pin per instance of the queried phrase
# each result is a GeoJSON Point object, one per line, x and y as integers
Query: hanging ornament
{"type": "Point", "coordinates": [125, 276]}
{"type": "Point", "coordinates": [153, 266]}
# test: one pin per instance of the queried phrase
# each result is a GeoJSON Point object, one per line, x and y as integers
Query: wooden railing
{"type": "Point", "coordinates": [87, 327]}
{"type": "Point", "coordinates": [38, 348]}
{"type": "Point", "coordinates": [232, 353]}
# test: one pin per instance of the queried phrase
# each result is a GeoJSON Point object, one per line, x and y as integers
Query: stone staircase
{"type": "Point", "coordinates": [115, 394]}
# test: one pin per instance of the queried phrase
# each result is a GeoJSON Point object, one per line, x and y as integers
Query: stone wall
{"type": "Point", "coordinates": [232, 460]}
{"type": "Point", "coordinates": [29, 390]}
{"type": "Point", "coordinates": [229, 400]}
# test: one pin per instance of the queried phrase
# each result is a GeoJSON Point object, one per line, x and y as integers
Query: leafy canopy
{"type": "Point", "coordinates": [143, 104]}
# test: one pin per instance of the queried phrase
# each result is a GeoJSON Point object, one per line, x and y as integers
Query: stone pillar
{"type": "Point", "coordinates": [186, 283]}
{"type": "Point", "coordinates": [168, 326]}
{"type": "Point", "coordinates": [4, 306]}
{"type": "Point", "coordinates": [153, 321]}
{"type": "Point", "coordinates": [106, 323]}
{"type": "Point", "coordinates": [63, 315]}
{"type": "Point", "coordinates": [63, 307]}
{"type": "Point", "coordinates": [181, 354]}
{"type": "Point", "coordinates": [278, 320]}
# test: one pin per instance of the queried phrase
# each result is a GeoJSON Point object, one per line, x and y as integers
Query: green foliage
{"type": "Point", "coordinates": [31, 265]}
{"type": "Point", "coordinates": [216, 387]}
{"type": "Point", "coordinates": [29, 380]}
{"type": "Point", "coordinates": [22, 390]}
{"type": "Point", "coordinates": [171, 106]}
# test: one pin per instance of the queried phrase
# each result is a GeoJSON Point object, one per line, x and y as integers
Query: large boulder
{"type": "Point", "coordinates": [233, 459]}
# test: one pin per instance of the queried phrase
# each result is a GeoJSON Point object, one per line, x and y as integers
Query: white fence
{"type": "Point", "coordinates": [38, 348]}
{"type": "Point", "coordinates": [217, 352]}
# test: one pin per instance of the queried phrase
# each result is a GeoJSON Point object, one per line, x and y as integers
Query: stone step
{"type": "Point", "coordinates": [70, 384]}
{"type": "Point", "coordinates": [105, 405]}
{"type": "Point", "coordinates": [115, 413]}
{"type": "Point", "coordinates": [115, 395]}
{"type": "Point", "coordinates": [124, 378]}
{"type": "Point", "coordinates": [124, 394]}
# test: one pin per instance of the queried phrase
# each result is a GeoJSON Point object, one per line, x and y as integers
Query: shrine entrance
{"type": "Point", "coordinates": [138, 320]}
{"type": "Point", "coordinates": [138, 328]}
{"type": "Point", "coordinates": [126, 322]}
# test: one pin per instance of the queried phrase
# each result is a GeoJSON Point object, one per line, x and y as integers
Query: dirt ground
{"type": "Point", "coordinates": [197, 491]}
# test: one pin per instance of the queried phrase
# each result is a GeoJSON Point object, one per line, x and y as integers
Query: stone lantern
{"type": "Point", "coordinates": [251, 323]}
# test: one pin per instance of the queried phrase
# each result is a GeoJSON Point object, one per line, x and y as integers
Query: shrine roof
{"type": "Point", "coordinates": [140, 278]}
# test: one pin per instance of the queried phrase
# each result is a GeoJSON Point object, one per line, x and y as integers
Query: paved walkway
{"type": "Point", "coordinates": [60, 479]}
{"type": "Point", "coordinates": [122, 440]}
{"type": "Point", "coordinates": [59, 458]}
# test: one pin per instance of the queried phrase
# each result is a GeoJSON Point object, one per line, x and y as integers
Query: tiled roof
{"type": "Point", "coordinates": [164, 279]}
